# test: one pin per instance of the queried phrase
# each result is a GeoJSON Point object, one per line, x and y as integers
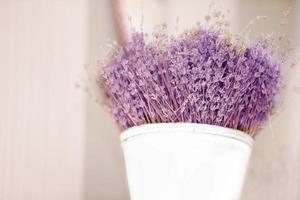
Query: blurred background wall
{"type": "Point", "coordinates": [56, 142]}
{"type": "Point", "coordinates": [42, 121]}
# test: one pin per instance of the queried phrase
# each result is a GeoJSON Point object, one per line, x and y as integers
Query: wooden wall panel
{"type": "Point", "coordinates": [43, 51]}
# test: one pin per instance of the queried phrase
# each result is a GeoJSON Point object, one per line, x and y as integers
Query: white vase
{"type": "Point", "coordinates": [185, 161]}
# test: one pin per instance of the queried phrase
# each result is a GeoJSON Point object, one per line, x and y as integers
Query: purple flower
{"type": "Point", "coordinates": [200, 76]}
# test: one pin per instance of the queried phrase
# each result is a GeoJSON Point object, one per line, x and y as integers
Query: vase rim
{"type": "Point", "coordinates": [185, 128]}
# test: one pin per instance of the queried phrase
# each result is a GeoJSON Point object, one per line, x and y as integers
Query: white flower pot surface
{"type": "Point", "coordinates": [185, 161]}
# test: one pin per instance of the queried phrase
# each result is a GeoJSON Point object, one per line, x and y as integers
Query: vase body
{"type": "Point", "coordinates": [185, 161]}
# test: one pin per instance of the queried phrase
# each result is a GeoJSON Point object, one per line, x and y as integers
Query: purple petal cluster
{"type": "Point", "coordinates": [201, 76]}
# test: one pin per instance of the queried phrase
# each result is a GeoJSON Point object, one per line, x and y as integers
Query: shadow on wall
{"type": "Point", "coordinates": [104, 176]}
{"type": "Point", "coordinates": [274, 167]}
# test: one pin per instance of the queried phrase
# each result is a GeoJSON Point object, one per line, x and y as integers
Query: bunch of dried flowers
{"type": "Point", "coordinates": [204, 75]}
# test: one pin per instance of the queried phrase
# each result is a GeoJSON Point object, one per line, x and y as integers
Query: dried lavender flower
{"type": "Point", "coordinates": [201, 76]}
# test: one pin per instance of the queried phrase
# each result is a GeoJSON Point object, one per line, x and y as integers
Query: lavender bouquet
{"type": "Point", "coordinates": [204, 75]}
{"type": "Point", "coordinates": [207, 79]}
